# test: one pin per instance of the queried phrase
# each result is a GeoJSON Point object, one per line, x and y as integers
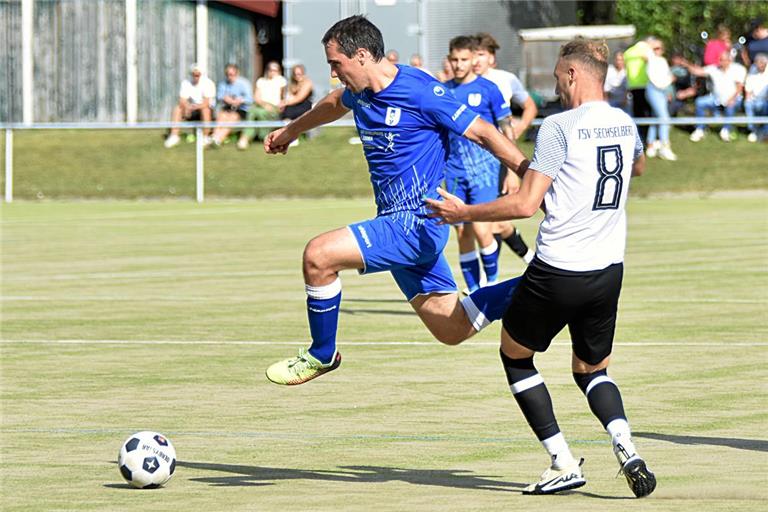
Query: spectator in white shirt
{"type": "Point", "coordinates": [657, 93]}
{"type": "Point", "coordinates": [197, 99]}
{"type": "Point", "coordinates": [616, 83]}
{"type": "Point", "coordinates": [756, 95]}
{"type": "Point", "coordinates": [267, 97]}
{"type": "Point", "coordinates": [727, 84]}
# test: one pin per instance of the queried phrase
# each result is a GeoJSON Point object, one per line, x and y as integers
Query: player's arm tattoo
{"type": "Point", "coordinates": [505, 125]}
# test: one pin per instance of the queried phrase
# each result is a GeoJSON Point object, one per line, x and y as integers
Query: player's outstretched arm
{"type": "Point", "coordinates": [486, 134]}
{"type": "Point", "coordinates": [325, 111]}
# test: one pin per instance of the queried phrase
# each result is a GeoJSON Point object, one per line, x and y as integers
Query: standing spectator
{"type": "Point", "coordinates": [269, 93]}
{"type": "Point", "coordinates": [393, 56]}
{"type": "Point", "coordinates": [235, 98]}
{"type": "Point", "coordinates": [727, 85]}
{"type": "Point", "coordinates": [656, 92]}
{"type": "Point", "coordinates": [616, 83]}
{"type": "Point", "coordinates": [715, 47]}
{"type": "Point", "coordinates": [758, 42]}
{"type": "Point", "coordinates": [298, 98]}
{"type": "Point", "coordinates": [197, 99]}
{"type": "Point", "coordinates": [446, 73]}
{"type": "Point", "coordinates": [685, 85]}
{"type": "Point", "coordinates": [636, 62]}
{"type": "Point", "coordinates": [756, 95]}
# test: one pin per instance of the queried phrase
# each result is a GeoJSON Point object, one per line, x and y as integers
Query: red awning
{"type": "Point", "coordinates": [266, 7]}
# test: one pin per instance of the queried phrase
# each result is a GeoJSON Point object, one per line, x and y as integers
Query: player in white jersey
{"type": "Point", "coordinates": [582, 164]}
{"type": "Point", "coordinates": [514, 92]}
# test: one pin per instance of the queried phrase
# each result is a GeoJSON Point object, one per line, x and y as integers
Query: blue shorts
{"type": "Point", "coordinates": [472, 193]}
{"type": "Point", "coordinates": [410, 247]}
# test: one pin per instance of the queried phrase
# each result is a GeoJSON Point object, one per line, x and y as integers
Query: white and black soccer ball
{"type": "Point", "coordinates": [147, 460]}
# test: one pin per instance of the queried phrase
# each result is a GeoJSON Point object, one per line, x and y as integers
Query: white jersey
{"type": "Point", "coordinates": [588, 152]}
{"type": "Point", "coordinates": [195, 93]}
{"type": "Point", "coordinates": [510, 86]}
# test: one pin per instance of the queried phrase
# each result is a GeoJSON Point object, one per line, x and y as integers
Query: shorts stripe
{"type": "Point", "coordinates": [476, 317]}
{"type": "Point", "coordinates": [528, 383]}
{"type": "Point", "coordinates": [596, 381]}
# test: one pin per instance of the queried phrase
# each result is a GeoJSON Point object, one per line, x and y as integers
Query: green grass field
{"type": "Point", "coordinates": [122, 316]}
{"type": "Point", "coordinates": [56, 164]}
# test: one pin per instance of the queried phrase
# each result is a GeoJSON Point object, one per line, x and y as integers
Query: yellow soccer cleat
{"type": "Point", "coordinates": [300, 369]}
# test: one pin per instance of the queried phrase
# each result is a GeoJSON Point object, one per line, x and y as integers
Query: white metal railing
{"type": "Point", "coordinates": [199, 142]}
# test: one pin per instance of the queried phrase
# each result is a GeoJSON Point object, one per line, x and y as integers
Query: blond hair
{"type": "Point", "coordinates": [592, 54]}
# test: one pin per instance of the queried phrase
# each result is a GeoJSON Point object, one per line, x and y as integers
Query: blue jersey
{"type": "Point", "coordinates": [465, 157]}
{"type": "Point", "coordinates": [404, 130]}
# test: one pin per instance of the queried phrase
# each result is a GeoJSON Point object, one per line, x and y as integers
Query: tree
{"type": "Point", "coordinates": [680, 24]}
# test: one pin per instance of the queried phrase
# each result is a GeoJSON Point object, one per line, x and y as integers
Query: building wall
{"type": "Point", "coordinates": [79, 56]}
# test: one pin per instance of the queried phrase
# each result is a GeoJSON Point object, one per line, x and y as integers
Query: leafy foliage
{"type": "Point", "coordinates": [680, 24]}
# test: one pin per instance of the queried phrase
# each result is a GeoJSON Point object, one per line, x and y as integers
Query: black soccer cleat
{"type": "Point", "coordinates": [641, 480]}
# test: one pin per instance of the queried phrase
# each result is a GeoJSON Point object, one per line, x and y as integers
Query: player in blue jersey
{"type": "Point", "coordinates": [471, 172]}
{"type": "Point", "coordinates": [403, 118]}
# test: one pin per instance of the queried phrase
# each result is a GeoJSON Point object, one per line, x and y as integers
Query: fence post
{"type": "Point", "coordinates": [199, 164]}
{"type": "Point", "coordinates": [8, 165]}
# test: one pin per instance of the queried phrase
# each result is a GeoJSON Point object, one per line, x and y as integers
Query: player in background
{"type": "Point", "coordinates": [403, 118]}
{"type": "Point", "coordinates": [513, 91]}
{"type": "Point", "coordinates": [471, 172]}
{"type": "Point", "coordinates": [583, 161]}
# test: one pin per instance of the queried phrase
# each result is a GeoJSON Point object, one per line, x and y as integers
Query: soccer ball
{"type": "Point", "coordinates": [147, 460]}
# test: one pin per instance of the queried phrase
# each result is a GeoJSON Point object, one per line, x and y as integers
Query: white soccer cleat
{"type": "Point", "coordinates": [171, 141]}
{"type": "Point", "coordinates": [725, 135]}
{"type": "Point", "coordinates": [242, 143]}
{"type": "Point", "coordinates": [556, 480]}
{"type": "Point", "coordinates": [752, 137]}
{"type": "Point", "coordinates": [697, 135]}
{"type": "Point", "coordinates": [653, 150]}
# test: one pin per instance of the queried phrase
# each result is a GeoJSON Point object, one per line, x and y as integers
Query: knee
{"type": "Point", "coordinates": [314, 258]}
{"type": "Point", "coordinates": [448, 337]}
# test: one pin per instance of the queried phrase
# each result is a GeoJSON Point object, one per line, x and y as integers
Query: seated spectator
{"type": "Point", "coordinates": [234, 99]}
{"type": "Point", "coordinates": [656, 93]}
{"type": "Point", "coordinates": [615, 87]}
{"type": "Point", "coordinates": [756, 96]}
{"type": "Point", "coordinates": [298, 98]}
{"type": "Point", "coordinates": [716, 46]}
{"type": "Point", "coordinates": [727, 85]}
{"type": "Point", "coordinates": [758, 42]}
{"type": "Point", "coordinates": [393, 56]}
{"type": "Point", "coordinates": [197, 98]}
{"type": "Point", "coordinates": [269, 93]}
{"type": "Point", "coordinates": [686, 87]}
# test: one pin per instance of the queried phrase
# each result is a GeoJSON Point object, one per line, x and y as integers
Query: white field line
{"type": "Point", "coordinates": [673, 344]}
{"type": "Point", "coordinates": [257, 294]}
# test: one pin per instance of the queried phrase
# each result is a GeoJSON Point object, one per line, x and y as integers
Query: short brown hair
{"type": "Point", "coordinates": [593, 54]}
{"type": "Point", "coordinates": [486, 41]}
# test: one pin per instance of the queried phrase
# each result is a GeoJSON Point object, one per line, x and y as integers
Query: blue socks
{"type": "Point", "coordinates": [323, 313]}
{"type": "Point", "coordinates": [490, 257]}
{"type": "Point", "coordinates": [470, 268]}
{"type": "Point", "coordinates": [489, 303]}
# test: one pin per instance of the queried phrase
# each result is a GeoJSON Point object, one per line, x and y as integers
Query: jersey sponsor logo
{"type": "Point", "coordinates": [458, 112]}
{"type": "Point", "coordinates": [438, 91]}
{"type": "Point", "coordinates": [390, 147]}
{"type": "Point", "coordinates": [363, 104]}
{"type": "Point", "coordinates": [364, 235]}
{"type": "Point", "coordinates": [474, 99]}
{"type": "Point", "coordinates": [392, 117]}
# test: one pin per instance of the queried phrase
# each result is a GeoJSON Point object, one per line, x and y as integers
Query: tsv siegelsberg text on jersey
{"type": "Point", "coordinates": [467, 159]}
{"type": "Point", "coordinates": [404, 131]}
{"type": "Point", "coordinates": [588, 152]}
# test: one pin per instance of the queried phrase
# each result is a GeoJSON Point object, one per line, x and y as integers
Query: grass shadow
{"type": "Point", "coordinates": [376, 312]}
{"type": "Point", "coordinates": [256, 475]}
{"type": "Point", "coordinates": [755, 445]}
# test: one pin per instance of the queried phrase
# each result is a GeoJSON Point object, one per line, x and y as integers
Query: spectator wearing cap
{"type": "Point", "coordinates": [197, 99]}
